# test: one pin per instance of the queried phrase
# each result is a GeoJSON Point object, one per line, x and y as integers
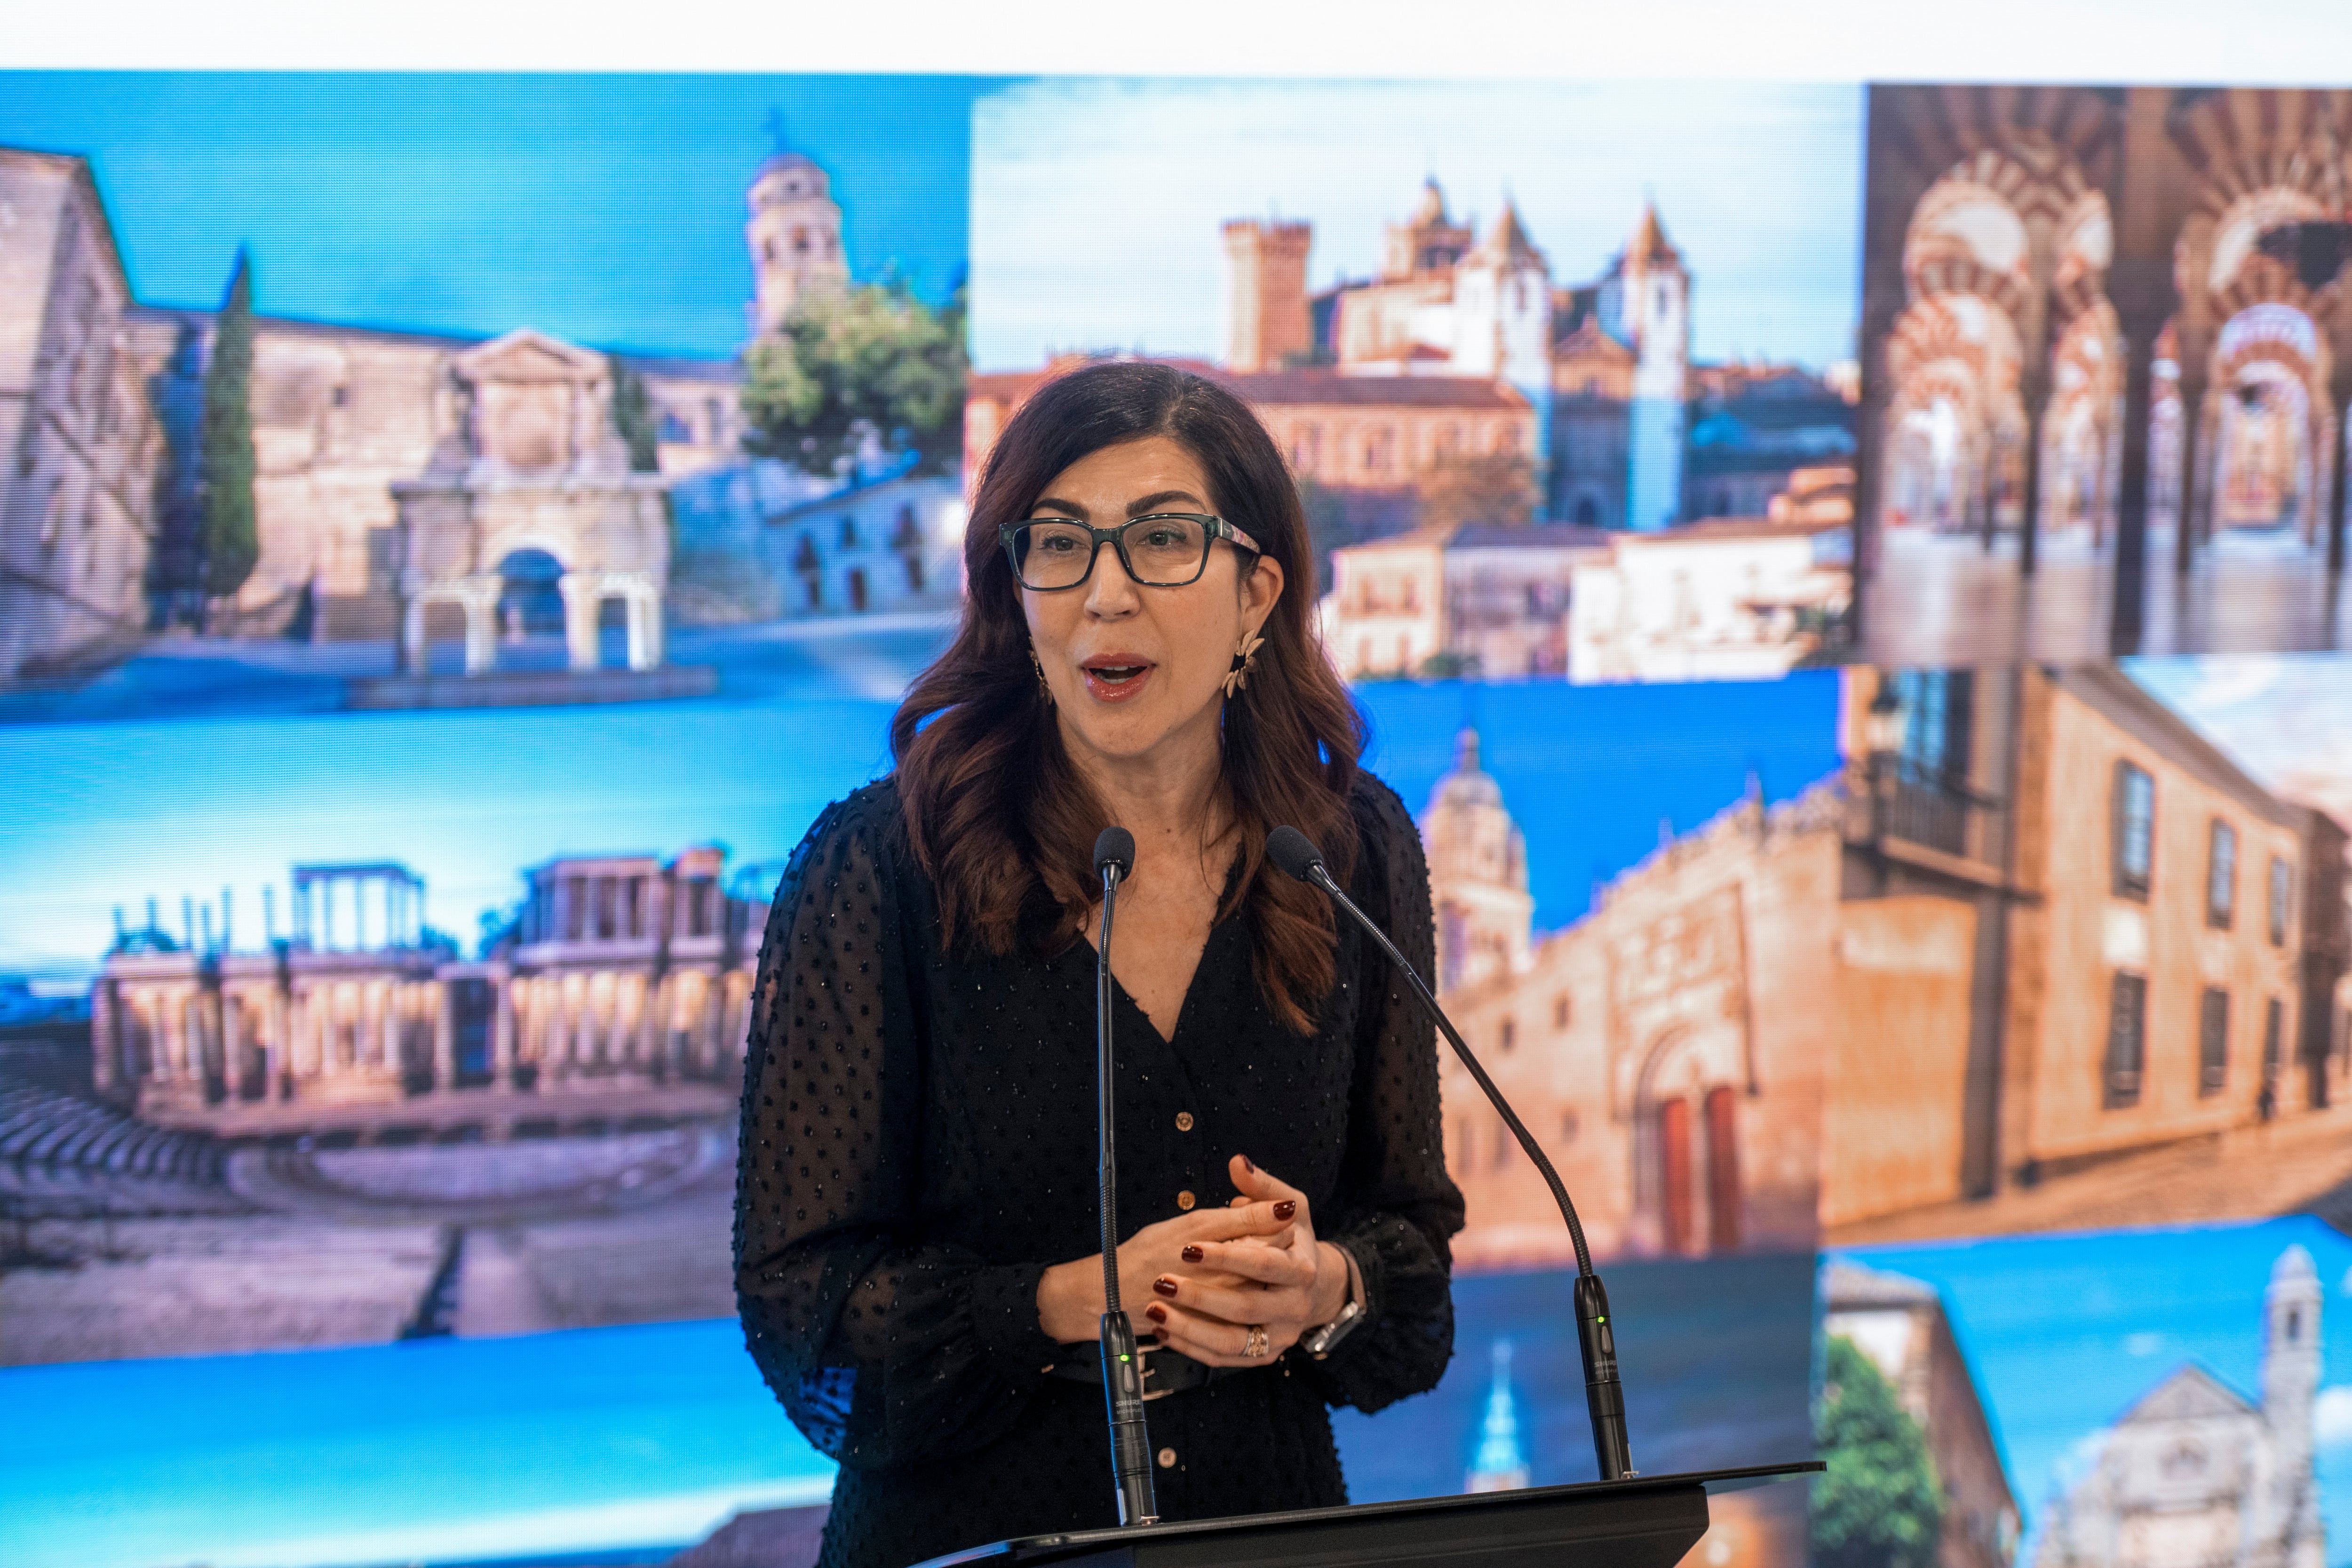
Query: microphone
{"type": "Point", "coordinates": [1131, 1439]}
{"type": "Point", "coordinates": [1605, 1395]}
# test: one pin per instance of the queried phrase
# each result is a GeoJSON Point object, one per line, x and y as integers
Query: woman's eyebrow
{"type": "Point", "coordinates": [1154, 502]}
{"type": "Point", "coordinates": [1058, 505]}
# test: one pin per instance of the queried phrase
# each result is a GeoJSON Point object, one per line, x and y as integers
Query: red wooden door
{"type": "Point", "coordinates": [1674, 1151]}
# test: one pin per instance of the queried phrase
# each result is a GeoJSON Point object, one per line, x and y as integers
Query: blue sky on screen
{"type": "Point", "coordinates": [469, 799]}
{"type": "Point", "coordinates": [440, 1450]}
{"type": "Point", "coordinates": [1095, 203]}
{"type": "Point", "coordinates": [2119, 1311]}
{"type": "Point", "coordinates": [607, 210]}
{"type": "Point", "coordinates": [2286, 717]}
{"type": "Point", "coordinates": [598, 1440]}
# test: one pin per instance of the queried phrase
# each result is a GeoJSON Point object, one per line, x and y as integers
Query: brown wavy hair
{"type": "Point", "coordinates": [996, 813]}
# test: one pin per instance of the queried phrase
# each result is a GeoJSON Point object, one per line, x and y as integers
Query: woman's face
{"type": "Point", "coordinates": [1133, 668]}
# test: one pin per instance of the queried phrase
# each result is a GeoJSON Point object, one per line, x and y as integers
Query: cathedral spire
{"type": "Point", "coordinates": [1508, 241]}
{"type": "Point", "coordinates": [1651, 247]}
{"type": "Point", "coordinates": [1500, 1464]}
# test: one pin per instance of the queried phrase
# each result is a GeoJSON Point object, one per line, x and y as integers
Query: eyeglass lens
{"type": "Point", "coordinates": [1161, 552]}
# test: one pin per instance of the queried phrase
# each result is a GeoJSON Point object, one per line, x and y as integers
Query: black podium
{"type": "Point", "coordinates": [1648, 1521]}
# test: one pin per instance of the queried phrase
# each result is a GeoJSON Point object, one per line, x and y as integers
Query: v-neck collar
{"type": "Point", "coordinates": [1184, 1008]}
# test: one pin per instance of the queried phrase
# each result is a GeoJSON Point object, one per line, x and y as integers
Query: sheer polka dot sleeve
{"type": "Point", "coordinates": [1402, 1206]}
{"type": "Point", "coordinates": [883, 1345]}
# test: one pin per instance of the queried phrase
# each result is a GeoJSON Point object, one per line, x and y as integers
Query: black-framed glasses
{"type": "Point", "coordinates": [1159, 549]}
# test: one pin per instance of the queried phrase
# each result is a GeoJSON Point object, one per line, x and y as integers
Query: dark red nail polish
{"type": "Point", "coordinates": [1247, 1166]}
{"type": "Point", "coordinates": [1164, 1285]}
{"type": "Point", "coordinates": [1156, 1313]}
{"type": "Point", "coordinates": [1192, 1254]}
{"type": "Point", "coordinates": [1286, 1208]}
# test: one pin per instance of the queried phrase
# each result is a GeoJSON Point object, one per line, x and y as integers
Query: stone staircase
{"type": "Point", "coordinates": [64, 1148]}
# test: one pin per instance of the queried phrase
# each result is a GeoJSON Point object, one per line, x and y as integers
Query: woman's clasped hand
{"type": "Point", "coordinates": [1201, 1282]}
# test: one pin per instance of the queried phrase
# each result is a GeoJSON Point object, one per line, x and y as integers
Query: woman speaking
{"type": "Point", "coordinates": [915, 1239]}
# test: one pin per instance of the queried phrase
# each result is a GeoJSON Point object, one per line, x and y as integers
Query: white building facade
{"type": "Point", "coordinates": [2196, 1474]}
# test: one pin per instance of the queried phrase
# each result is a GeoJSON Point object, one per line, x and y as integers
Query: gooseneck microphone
{"type": "Point", "coordinates": [1605, 1395]}
{"type": "Point", "coordinates": [1131, 1439]}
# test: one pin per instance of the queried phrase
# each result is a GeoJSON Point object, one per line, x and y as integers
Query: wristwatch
{"type": "Point", "coordinates": [1319, 1343]}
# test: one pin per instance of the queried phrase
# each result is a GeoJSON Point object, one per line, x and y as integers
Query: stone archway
{"type": "Point", "coordinates": [2004, 257]}
{"type": "Point", "coordinates": [539, 468]}
{"type": "Point", "coordinates": [2266, 439]}
{"type": "Point", "coordinates": [530, 603]}
{"type": "Point", "coordinates": [1955, 421]}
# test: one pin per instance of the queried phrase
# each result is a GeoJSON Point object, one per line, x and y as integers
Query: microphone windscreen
{"type": "Point", "coordinates": [1292, 851]}
{"type": "Point", "coordinates": [1115, 847]}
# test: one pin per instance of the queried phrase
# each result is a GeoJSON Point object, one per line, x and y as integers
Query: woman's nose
{"type": "Point", "coordinates": [1110, 591]}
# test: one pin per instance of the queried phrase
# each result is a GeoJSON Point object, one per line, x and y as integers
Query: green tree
{"type": "Point", "coordinates": [634, 421]}
{"type": "Point", "coordinates": [229, 542]}
{"type": "Point", "coordinates": [1881, 1504]}
{"type": "Point", "coordinates": [1499, 488]}
{"type": "Point", "coordinates": [870, 360]}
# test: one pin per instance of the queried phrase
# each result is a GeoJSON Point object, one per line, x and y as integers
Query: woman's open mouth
{"type": "Point", "coordinates": [1116, 678]}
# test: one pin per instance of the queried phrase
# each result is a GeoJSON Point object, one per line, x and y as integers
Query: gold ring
{"type": "Point", "coordinates": [1258, 1342]}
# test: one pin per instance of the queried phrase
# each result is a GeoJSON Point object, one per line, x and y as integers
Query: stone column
{"type": "Point", "coordinates": [481, 606]}
{"type": "Point", "coordinates": [444, 1035]}
{"type": "Point", "coordinates": [2186, 533]}
{"type": "Point", "coordinates": [273, 1042]}
{"type": "Point", "coordinates": [2143, 294]}
{"type": "Point", "coordinates": [502, 1032]}
{"type": "Point", "coordinates": [639, 617]}
{"type": "Point", "coordinates": [555, 1031]}
{"type": "Point", "coordinates": [416, 653]}
{"type": "Point", "coordinates": [2338, 425]}
{"type": "Point", "coordinates": [159, 1067]}
{"type": "Point", "coordinates": [105, 1037]}
{"type": "Point", "coordinates": [2034, 387]}
{"type": "Point", "coordinates": [186, 1061]}
{"type": "Point", "coordinates": [581, 599]}
{"type": "Point", "coordinates": [673, 1050]}
{"type": "Point", "coordinates": [656, 629]}
{"type": "Point", "coordinates": [2036, 397]}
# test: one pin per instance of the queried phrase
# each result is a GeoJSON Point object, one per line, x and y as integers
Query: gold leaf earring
{"type": "Point", "coordinates": [1244, 660]}
{"type": "Point", "coordinates": [1044, 690]}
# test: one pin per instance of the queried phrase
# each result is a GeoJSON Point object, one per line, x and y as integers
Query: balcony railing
{"type": "Point", "coordinates": [1900, 802]}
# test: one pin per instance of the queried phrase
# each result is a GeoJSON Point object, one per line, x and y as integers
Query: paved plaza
{"type": "Point", "coordinates": [1945, 599]}
{"type": "Point", "coordinates": [2298, 1167]}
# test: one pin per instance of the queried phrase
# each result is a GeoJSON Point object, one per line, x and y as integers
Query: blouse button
{"type": "Point", "coordinates": [1183, 1121]}
{"type": "Point", "coordinates": [1184, 1200]}
{"type": "Point", "coordinates": [1166, 1457]}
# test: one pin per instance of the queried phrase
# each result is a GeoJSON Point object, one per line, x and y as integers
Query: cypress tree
{"type": "Point", "coordinates": [231, 542]}
{"type": "Point", "coordinates": [634, 420]}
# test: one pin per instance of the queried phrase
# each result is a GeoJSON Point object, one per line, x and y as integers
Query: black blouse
{"type": "Point", "coordinates": [918, 1145]}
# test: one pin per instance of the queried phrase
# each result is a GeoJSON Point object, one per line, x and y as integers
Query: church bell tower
{"type": "Point", "coordinates": [2290, 1369]}
{"type": "Point", "coordinates": [1656, 306]}
{"type": "Point", "coordinates": [1477, 875]}
{"type": "Point", "coordinates": [794, 234]}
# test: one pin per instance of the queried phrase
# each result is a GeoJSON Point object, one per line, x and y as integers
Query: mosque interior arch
{"type": "Point", "coordinates": [2000, 354]}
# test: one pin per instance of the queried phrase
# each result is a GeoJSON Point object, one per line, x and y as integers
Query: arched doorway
{"type": "Point", "coordinates": [531, 600]}
{"type": "Point", "coordinates": [2081, 461]}
{"type": "Point", "coordinates": [1956, 424]}
{"type": "Point", "coordinates": [2268, 427]}
{"type": "Point", "coordinates": [1686, 1142]}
